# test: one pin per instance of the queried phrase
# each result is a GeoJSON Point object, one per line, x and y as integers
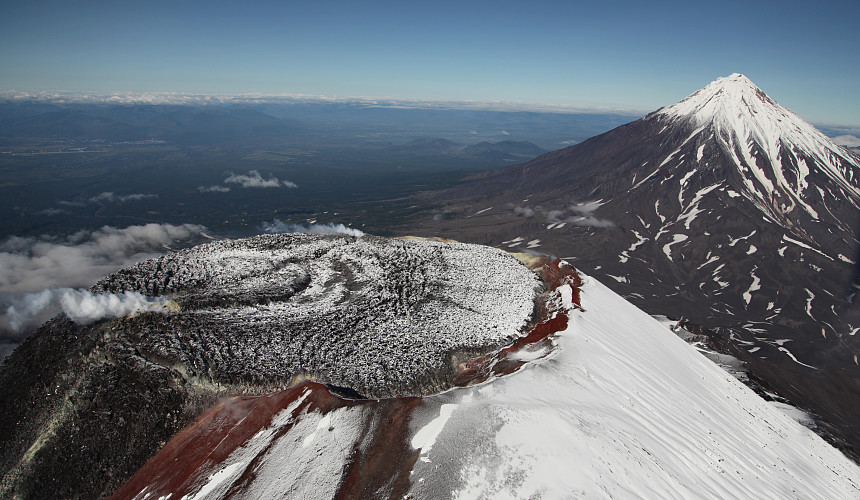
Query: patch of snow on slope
{"type": "Point", "coordinates": [756, 285]}
{"type": "Point", "coordinates": [514, 242]}
{"type": "Point", "coordinates": [639, 240]}
{"type": "Point", "coordinates": [657, 210]}
{"type": "Point", "coordinates": [809, 299]}
{"type": "Point", "coordinates": [692, 210]}
{"type": "Point", "coordinates": [804, 245]}
{"type": "Point", "coordinates": [734, 241]}
{"type": "Point", "coordinates": [625, 409]}
{"type": "Point", "coordinates": [677, 238]}
{"type": "Point", "coordinates": [284, 461]}
{"type": "Point", "coordinates": [423, 439]}
{"type": "Point", "coordinates": [790, 355]}
{"type": "Point", "coordinates": [711, 258]}
{"type": "Point", "coordinates": [219, 483]}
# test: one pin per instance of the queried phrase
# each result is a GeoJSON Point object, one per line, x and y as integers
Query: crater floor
{"type": "Point", "coordinates": [379, 316]}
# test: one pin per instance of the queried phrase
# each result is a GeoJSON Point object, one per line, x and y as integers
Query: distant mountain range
{"type": "Point", "coordinates": [328, 124]}
{"type": "Point", "coordinates": [726, 211]}
{"type": "Point", "coordinates": [494, 151]}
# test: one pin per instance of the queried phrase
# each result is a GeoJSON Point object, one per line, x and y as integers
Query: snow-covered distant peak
{"type": "Point", "coordinates": [732, 100]}
{"type": "Point", "coordinates": [734, 103]}
{"type": "Point", "coordinates": [756, 130]}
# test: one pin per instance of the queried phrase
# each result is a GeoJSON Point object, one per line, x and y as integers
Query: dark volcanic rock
{"type": "Point", "coordinates": [86, 406]}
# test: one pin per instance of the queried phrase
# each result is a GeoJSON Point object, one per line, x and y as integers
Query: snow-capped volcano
{"type": "Point", "coordinates": [724, 209]}
{"type": "Point", "coordinates": [774, 150]}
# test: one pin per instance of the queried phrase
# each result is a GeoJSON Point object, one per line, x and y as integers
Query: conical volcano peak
{"type": "Point", "coordinates": [734, 84]}
{"type": "Point", "coordinates": [729, 99]}
{"type": "Point", "coordinates": [735, 80]}
{"type": "Point", "coordinates": [773, 148]}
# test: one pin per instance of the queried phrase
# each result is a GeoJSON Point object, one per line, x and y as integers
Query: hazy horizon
{"type": "Point", "coordinates": [627, 55]}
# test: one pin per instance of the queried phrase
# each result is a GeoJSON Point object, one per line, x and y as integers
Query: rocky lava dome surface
{"type": "Point", "coordinates": [381, 317]}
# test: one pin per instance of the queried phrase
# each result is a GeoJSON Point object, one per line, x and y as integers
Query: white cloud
{"type": "Point", "coordinates": [590, 221]}
{"type": "Point", "coordinates": [51, 211]}
{"type": "Point", "coordinates": [213, 189]}
{"type": "Point", "coordinates": [34, 264]}
{"type": "Point", "coordinates": [109, 197]}
{"type": "Point", "coordinates": [278, 227]}
{"type": "Point", "coordinates": [27, 311]}
{"type": "Point", "coordinates": [554, 215]}
{"type": "Point", "coordinates": [37, 275]}
{"type": "Point", "coordinates": [375, 102]}
{"type": "Point", "coordinates": [578, 215]}
{"type": "Point", "coordinates": [254, 179]}
{"type": "Point", "coordinates": [847, 140]}
{"type": "Point", "coordinates": [586, 208]}
{"type": "Point", "coordinates": [524, 212]}
{"type": "Point", "coordinates": [70, 203]}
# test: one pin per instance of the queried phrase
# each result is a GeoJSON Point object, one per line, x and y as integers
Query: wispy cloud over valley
{"type": "Point", "coordinates": [253, 179]}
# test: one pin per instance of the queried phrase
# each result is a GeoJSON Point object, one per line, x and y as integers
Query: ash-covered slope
{"type": "Point", "coordinates": [725, 209]}
{"type": "Point", "coordinates": [85, 406]}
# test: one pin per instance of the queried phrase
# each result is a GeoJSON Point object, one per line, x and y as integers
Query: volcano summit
{"type": "Point", "coordinates": [86, 405]}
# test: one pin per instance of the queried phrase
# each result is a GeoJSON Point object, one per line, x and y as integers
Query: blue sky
{"type": "Point", "coordinates": [639, 55]}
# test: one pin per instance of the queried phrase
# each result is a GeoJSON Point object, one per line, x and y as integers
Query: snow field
{"type": "Point", "coordinates": [623, 408]}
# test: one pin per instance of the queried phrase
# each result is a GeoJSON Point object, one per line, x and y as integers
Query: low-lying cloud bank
{"type": "Point", "coordinates": [213, 189]}
{"type": "Point", "coordinates": [278, 227]}
{"type": "Point", "coordinates": [847, 140]}
{"type": "Point", "coordinates": [38, 276]}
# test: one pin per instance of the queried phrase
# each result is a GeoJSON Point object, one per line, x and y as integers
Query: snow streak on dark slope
{"type": "Point", "coordinates": [726, 209]}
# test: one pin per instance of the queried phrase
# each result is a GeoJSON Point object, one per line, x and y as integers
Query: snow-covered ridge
{"type": "Point", "coordinates": [626, 410]}
{"type": "Point", "coordinates": [752, 127]}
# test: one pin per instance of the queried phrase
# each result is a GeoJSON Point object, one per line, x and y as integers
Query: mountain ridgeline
{"type": "Point", "coordinates": [724, 210]}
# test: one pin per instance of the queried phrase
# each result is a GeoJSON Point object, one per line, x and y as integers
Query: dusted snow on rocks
{"type": "Point", "coordinates": [382, 317]}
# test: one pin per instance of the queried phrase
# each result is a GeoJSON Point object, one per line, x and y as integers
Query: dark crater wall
{"type": "Point", "coordinates": [85, 406]}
